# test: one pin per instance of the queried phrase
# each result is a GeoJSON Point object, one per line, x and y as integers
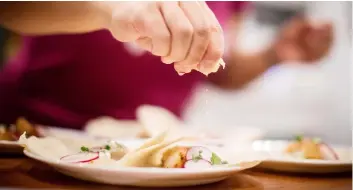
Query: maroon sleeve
{"type": "Point", "coordinates": [239, 6]}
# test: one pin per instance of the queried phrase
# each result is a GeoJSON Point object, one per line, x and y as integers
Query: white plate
{"type": "Point", "coordinates": [279, 161]}
{"type": "Point", "coordinates": [144, 177]}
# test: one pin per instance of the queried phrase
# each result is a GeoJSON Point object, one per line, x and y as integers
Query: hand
{"type": "Point", "coordinates": [184, 33]}
{"type": "Point", "coordinates": [302, 41]}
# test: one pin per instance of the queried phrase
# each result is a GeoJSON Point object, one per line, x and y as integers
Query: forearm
{"type": "Point", "coordinates": [241, 69]}
{"type": "Point", "coordinates": [40, 18]}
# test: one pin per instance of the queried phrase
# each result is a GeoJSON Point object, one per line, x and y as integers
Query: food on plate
{"type": "Point", "coordinates": [13, 132]}
{"type": "Point", "coordinates": [54, 149]}
{"type": "Point", "coordinates": [151, 120]}
{"type": "Point", "coordinates": [156, 119]}
{"type": "Point", "coordinates": [159, 151]}
{"type": "Point", "coordinates": [111, 150]}
{"type": "Point", "coordinates": [5, 134]}
{"type": "Point", "coordinates": [190, 157]}
{"type": "Point", "coordinates": [83, 157]}
{"type": "Point", "coordinates": [163, 152]}
{"type": "Point", "coordinates": [112, 128]}
{"type": "Point", "coordinates": [47, 147]}
{"type": "Point", "coordinates": [311, 148]}
{"type": "Point", "coordinates": [22, 125]}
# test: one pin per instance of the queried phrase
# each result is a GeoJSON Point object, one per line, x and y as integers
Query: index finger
{"type": "Point", "coordinates": [213, 56]}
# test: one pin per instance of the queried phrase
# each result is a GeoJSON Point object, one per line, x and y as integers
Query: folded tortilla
{"type": "Point", "coordinates": [148, 155]}
{"type": "Point", "coordinates": [47, 147]}
{"type": "Point", "coordinates": [156, 119]}
{"type": "Point", "coordinates": [53, 149]}
{"type": "Point", "coordinates": [110, 127]}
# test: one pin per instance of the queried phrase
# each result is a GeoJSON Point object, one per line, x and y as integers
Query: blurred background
{"type": "Point", "coordinates": [290, 98]}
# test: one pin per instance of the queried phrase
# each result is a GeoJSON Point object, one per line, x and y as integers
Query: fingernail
{"type": "Point", "coordinates": [166, 60]}
{"type": "Point", "coordinates": [181, 74]}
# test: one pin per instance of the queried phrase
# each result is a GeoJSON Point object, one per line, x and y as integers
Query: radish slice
{"type": "Point", "coordinates": [191, 164]}
{"type": "Point", "coordinates": [196, 151]}
{"type": "Point", "coordinates": [80, 157]}
{"type": "Point", "coordinates": [327, 152]}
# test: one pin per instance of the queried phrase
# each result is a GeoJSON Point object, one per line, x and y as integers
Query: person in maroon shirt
{"type": "Point", "coordinates": [66, 79]}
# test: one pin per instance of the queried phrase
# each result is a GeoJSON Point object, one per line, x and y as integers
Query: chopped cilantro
{"type": "Point", "coordinates": [107, 147]}
{"type": "Point", "coordinates": [84, 149]}
{"type": "Point", "coordinates": [215, 160]}
{"type": "Point", "coordinates": [299, 138]}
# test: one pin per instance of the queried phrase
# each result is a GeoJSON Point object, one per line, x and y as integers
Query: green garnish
{"type": "Point", "coordinates": [224, 162]}
{"type": "Point", "coordinates": [197, 157]}
{"type": "Point", "coordinates": [299, 138]}
{"type": "Point", "coordinates": [215, 160]}
{"type": "Point", "coordinates": [107, 147]}
{"type": "Point", "coordinates": [84, 149]}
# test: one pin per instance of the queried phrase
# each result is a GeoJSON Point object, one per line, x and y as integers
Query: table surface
{"type": "Point", "coordinates": [21, 172]}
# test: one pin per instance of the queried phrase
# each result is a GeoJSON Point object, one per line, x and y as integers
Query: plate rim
{"type": "Point", "coordinates": [6, 142]}
{"type": "Point", "coordinates": [149, 170]}
{"type": "Point", "coordinates": [303, 161]}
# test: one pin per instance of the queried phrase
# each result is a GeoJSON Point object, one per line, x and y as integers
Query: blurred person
{"type": "Point", "coordinates": [63, 78]}
{"type": "Point", "coordinates": [290, 98]}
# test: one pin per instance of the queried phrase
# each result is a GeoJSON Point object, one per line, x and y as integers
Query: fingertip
{"type": "Point", "coordinates": [180, 68]}
{"type": "Point", "coordinates": [207, 67]}
{"type": "Point", "coordinates": [201, 71]}
{"type": "Point", "coordinates": [181, 73]}
{"type": "Point", "coordinates": [166, 60]}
